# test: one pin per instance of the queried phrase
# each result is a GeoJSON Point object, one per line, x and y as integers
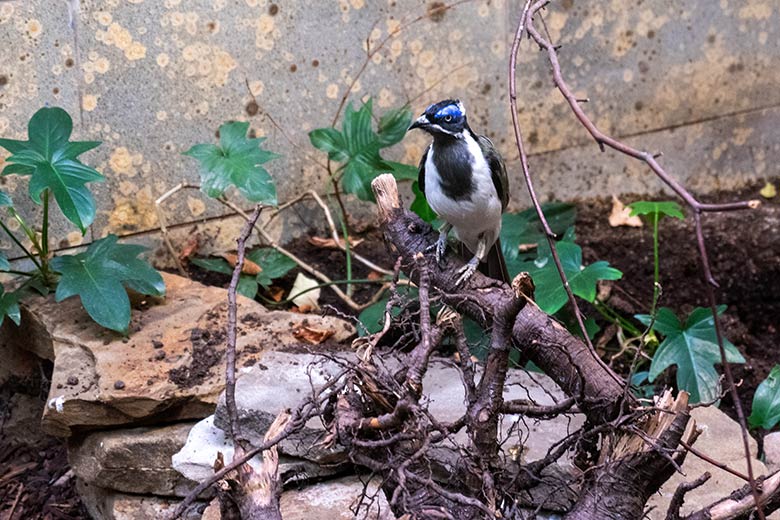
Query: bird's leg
{"type": "Point", "coordinates": [441, 244]}
{"type": "Point", "coordinates": [471, 266]}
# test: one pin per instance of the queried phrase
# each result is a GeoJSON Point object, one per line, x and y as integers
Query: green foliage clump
{"type": "Point", "coordinates": [100, 275]}
{"type": "Point", "coordinates": [766, 402]}
{"type": "Point", "coordinates": [236, 161]}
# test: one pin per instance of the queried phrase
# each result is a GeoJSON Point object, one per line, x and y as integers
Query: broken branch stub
{"type": "Point", "coordinates": [598, 391]}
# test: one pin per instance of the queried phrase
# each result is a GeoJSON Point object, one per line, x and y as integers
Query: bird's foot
{"type": "Point", "coordinates": [440, 247]}
{"type": "Point", "coordinates": [467, 271]}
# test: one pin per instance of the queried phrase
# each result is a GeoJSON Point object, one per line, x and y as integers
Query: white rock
{"type": "Point", "coordinates": [196, 459]}
{"type": "Point", "coordinates": [772, 451]}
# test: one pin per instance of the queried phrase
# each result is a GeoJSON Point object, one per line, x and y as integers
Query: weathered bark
{"type": "Point", "coordinates": [740, 505]}
{"type": "Point", "coordinates": [254, 495]}
{"type": "Point", "coordinates": [636, 466]}
{"type": "Point", "coordinates": [598, 391]}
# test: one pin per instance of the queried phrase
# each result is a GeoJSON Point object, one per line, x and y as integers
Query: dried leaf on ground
{"type": "Point", "coordinates": [250, 267]}
{"type": "Point", "coordinates": [330, 243]}
{"type": "Point", "coordinates": [312, 335]}
{"type": "Point", "coordinates": [621, 215]}
{"type": "Point", "coordinates": [768, 191]}
{"type": "Point", "coordinates": [307, 300]}
{"type": "Point", "coordinates": [190, 247]}
{"type": "Point", "coordinates": [276, 293]}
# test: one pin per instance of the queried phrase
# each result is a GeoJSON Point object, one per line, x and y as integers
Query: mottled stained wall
{"type": "Point", "coordinates": [696, 79]}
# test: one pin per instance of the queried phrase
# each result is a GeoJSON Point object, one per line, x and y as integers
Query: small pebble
{"type": "Point", "coordinates": [157, 344]}
{"type": "Point", "coordinates": [73, 380]}
{"type": "Point", "coordinates": [160, 354]}
{"type": "Point", "coordinates": [119, 385]}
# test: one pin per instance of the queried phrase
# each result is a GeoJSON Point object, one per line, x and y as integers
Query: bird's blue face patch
{"type": "Point", "coordinates": [453, 111]}
{"type": "Point", "coordinates": [445, 117]}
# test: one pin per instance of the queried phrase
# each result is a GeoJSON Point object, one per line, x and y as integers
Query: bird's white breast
{"type": "Point", "coordinates": [471, 217]}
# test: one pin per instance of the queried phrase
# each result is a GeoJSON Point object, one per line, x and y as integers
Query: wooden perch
{"type": "Point", "coordinates": [246, 494]}
{"type": "Point", "coordinates": [600, 394]}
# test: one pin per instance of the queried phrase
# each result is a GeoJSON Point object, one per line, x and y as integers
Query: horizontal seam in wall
{"type": "Point", "coordinates": [660, 129]}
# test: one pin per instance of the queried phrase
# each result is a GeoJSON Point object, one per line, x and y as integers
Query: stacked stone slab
{"type": "Point", "coordinates": [127, 405]}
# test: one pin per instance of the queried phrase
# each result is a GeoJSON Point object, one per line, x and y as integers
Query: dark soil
{"type": "Point", "coordinates": [205, 355]}
{"type": "Point", "coordinates": [34, 479]}
{"type": "Point", "coordinates": [744, 250]}
{"type": "Point", "coordinates": [34, 483]}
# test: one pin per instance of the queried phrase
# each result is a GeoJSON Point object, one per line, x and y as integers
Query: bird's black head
{"type": "Point", "coordinates": [446, 117]}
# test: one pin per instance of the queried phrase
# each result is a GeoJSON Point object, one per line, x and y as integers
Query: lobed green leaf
{"type": "Point", "coordinates": [766, 402]}
{"type": "Point", "coordinates": [99, 276]}
{"type": "Point", "coordinates": [693, 348]}
{"type": "Point", "coordinates": [52, 162]}
{"type": "Point", "coordinates": [236, 161]}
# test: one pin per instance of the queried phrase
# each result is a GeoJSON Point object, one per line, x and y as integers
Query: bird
{"type": "Point", "coordinates": [464, 180]}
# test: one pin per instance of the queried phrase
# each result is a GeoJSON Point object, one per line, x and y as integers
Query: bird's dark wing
{"type": "Point", "coordinates": [497, 169]}
{"type": "Point", "coordinates": [421, 173]}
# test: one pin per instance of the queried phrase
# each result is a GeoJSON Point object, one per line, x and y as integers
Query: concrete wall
{"type": "Point", "coordinates": [696, 79]}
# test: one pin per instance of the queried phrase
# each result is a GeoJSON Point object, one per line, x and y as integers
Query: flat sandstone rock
{"type": "Point", "coordinates": [170, 368]}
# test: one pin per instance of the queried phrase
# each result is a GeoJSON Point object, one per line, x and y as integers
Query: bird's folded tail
{"type": "Point", "coordinates": [494, 265]}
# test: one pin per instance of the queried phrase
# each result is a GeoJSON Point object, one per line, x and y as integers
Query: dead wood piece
{"type": "Point", "coordinates": [598, 391]}
{"type": "Point", "coordinates": [637, 463]}
{"type": "Point", "coordinates": [740, 505]}
{"type": "Point", "coordinates": [254, 495]}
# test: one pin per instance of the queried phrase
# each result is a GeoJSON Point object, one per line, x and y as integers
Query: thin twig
{"type": "Point", "coordinates": [531, 409]}
{"type": "Point", "coordinates": [305, 266]}
{"type": "Point", "coordinates": [678, 499]}
{"type": "Point", "coordinates": [698, 208]}
{"type": "Point", "coordinates": [527, 174]}
{"type": "Point", "coordinates": [230, 354]}
{"type": "Point", "coordinates": [164, 223]}
{"type": "Point", "coordinates": [16, 501]}
{"type": "Point", "coordinates": [716, 463]}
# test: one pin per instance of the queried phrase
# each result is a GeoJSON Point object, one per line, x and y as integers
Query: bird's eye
{"type": "Point", "coordinates": [447, 118]}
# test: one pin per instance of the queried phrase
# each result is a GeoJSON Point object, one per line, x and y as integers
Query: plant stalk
{"type": "Point", "coordinates": [16, 241]}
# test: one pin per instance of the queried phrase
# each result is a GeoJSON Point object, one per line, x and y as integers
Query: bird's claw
{"type": "Point", "coordinates": [440, 247]}
{"type": "Point", "coordinates": [466, 272]}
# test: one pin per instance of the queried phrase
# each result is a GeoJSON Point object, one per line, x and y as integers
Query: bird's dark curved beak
{"type": "Point", "coordinates": [420, 122]}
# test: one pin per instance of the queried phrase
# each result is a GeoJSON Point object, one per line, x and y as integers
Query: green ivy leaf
{"type": "Point", "coordinates": [526, 228]}
{"type": "Point", "coordinates": [217, 265]}
{"type": "Point", "coordinates": [693, 347]}
{"type": "Point", "coordinates": [420, 204]}
{"type": "Point", "coordinates": [656, 210]}
{"type": "Point", "coordinates": [52, 161]}
{"type": "Point", "coordinates": [9, 306]}
{"type": "Point", "coordinates": [357, 146]}
{"type": "Point", "coordinates": [247, 286]}
{"type": "Point", "coordinates": [99, 276]}
{"type": "Point", "coordinates": [550, 294]}
{"type": "Point", "coordinates": [236, 161]}
{"type": "Point", "coordinates": [393, 126]}
{"type": "Point", "coordinates": [766, 402]}
{"type": "Point", "coordinates": [372, 317]}
{"type": "Point", "coordinates": [273, 264]}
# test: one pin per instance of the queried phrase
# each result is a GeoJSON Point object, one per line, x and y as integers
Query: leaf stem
{"type": "Point", "coordinates": [19, 273]}
{"type": "Point", "coordinates": [18, 243]}
{"type": "Point", "coordinates": [348, 252]}
{"type": "Point", "coordinates": [335, 282]}
{"type": "Point", "coordinates": [656, 267]}
{"type": "Point", "coordinates": [44, 245]}
{"type": "Point", "coordinates": [614, 317]}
